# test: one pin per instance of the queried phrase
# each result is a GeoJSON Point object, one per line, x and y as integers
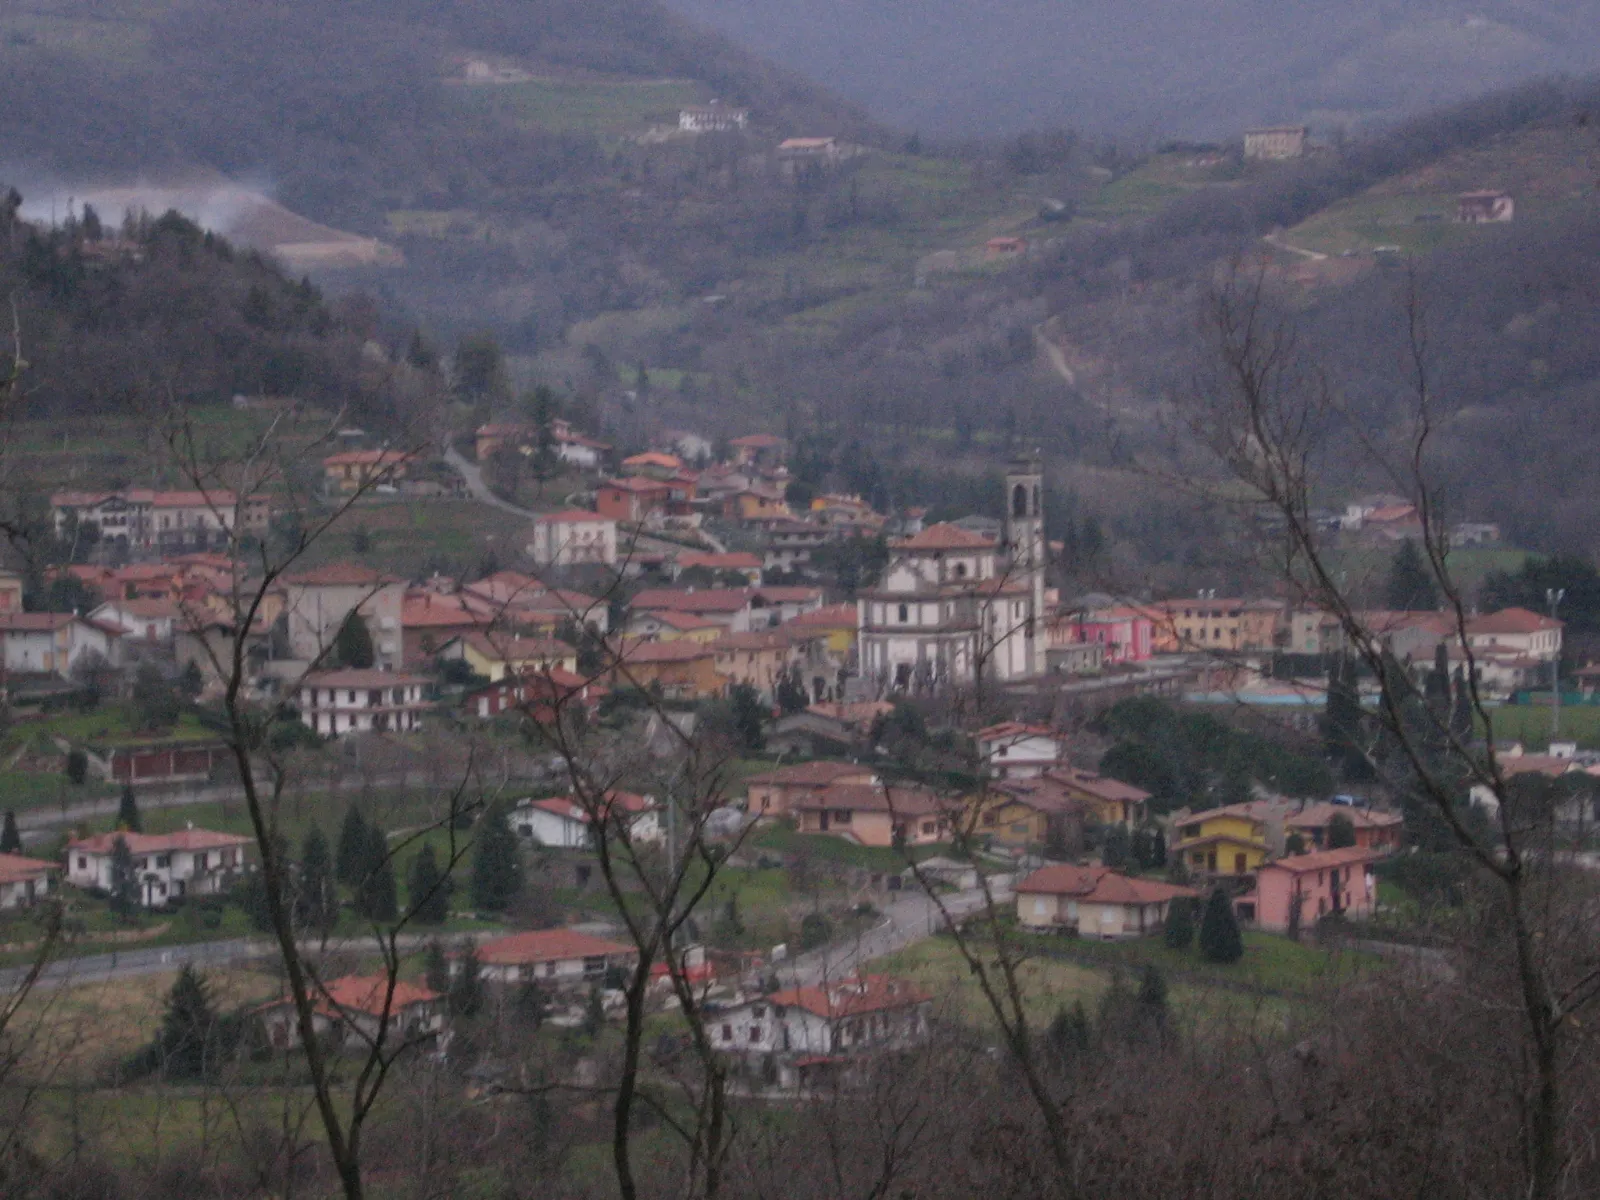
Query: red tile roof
{"type": "Point", "coordinates": [384, 458]}
{"type": "Point", "coordinates": [1014, 729]}
{"type": "Point", "coordinates": [1299, 864]}
{"type": "Point", "coordinates": [851, 997]}
{"type": "Point", "coordinates": [363, 994]}
{"type": "Point", "coordinates": [548, 945]}
{"type": "Point", "coordinates": [638, 484]}
{"type": "Point", "coordinates": [733, 561]}
{"type": "Point", "coordinates": [654, 458]}
{"type": "Point", "coordinates": [945, 536]}
{"type": "Point", "coordinates": [1062, 879]}
{"type": "Point", "coordinates": [14, 868]}
{"type": "Point", "coordinates": [1315, 816]}
{"type": "Point", "coordinates": [811, 774]}
{"type": "Point", "coordinates": [1512, 621]}
{"type": "Point", "coordinates": [159, 843]}
{"type": "Point", "coordinates": [340, 575]}
{"type": "Point", "coordinates": [703, 600]}
{"type": "Point", "coordinates": [677, 650]}
{"type": "Point", "coordinates": [1102, 787]}
{"type": "Point", "coordinates": [832, 616]}
{"type": "Point", "coordinates": [360, 677]}
{"type": "Point", "coordinates": [1112, 888]}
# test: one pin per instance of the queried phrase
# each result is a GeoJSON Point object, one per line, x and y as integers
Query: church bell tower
{"type": "Point", "coordinates": [1026, 545]}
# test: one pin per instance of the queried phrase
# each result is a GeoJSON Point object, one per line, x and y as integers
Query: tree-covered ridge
{"type": "Point", "coordinates": [121, 319]}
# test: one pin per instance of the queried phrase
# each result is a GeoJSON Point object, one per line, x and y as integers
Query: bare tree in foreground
{"type": "Point", "coordinates": [1266, 414]}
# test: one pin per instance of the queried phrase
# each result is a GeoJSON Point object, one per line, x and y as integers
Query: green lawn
{"type": "Point", "coordinates": [1530, 725]}
{"type": "Point", "coordinates": [591, 106]}
{"type": "Point", "coordinates": [781, 839]}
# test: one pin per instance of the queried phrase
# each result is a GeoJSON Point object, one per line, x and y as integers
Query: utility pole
{"type": "Point", "coordinates": [1555, 596]}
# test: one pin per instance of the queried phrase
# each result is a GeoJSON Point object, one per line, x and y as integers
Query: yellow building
{"type": "Point", "coordinates": [1202, 623]}
{"type": "Point", "coordinates": [1109, 801]}
{"type": "Point", "coordinates": [496, 657]}
{"type": "Point", "coordinates": [667, 626]}
{"type": "Point", "coordinates": [839, 621]}
{"type": "Point", "coordinates": [1223, 841]}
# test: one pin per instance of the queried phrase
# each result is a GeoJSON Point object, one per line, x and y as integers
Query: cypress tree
{"type": "Point", "coordinates": [188, 1027]}
{"type": "Point", "coordinates": [436, 971]}
{"type": "Point", "coordinates": [128, 811]}
{"type": "Point", "coordinates": [1436, 688]}
{"type": "Point", "coordinates": [496, 863]}
{"type": "Point", "coordinates": [352, 645]}
{"type": "Point", "coordinates": [317, 900]}
{"type": "Point", "coordinates": [1069, 1033]}
{"type": "Point", "coordinates": [124, 879]}
{"type": "Point", "coordinates": [466, 986]}
{"type": "Point", "coordinates": [1179, 933]}
{"type": "Point", "coordinates": [376, 894]}
{"type": "Point", "coordinates": [1152, 998]}
{"type": "Point", "coordinates": [428, 887]}
{"type": "Point", "coordinates": [1220, 941]}
{"type": "Point", "coordinates": [10, 835]}
{"type": "Point", "coordinates": [1461, 722]}
{"type": "Point", "coordinates": [350, 863]}
{"type": "Point", "coordinates": [1411, 587]}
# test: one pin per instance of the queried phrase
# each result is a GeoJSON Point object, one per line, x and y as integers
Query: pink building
{"type": "Point", "coordinates": [1127, 634]}
{"type": "Point", "coordinates": [1329, 881]}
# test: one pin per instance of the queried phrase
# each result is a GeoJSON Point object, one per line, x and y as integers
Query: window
{"type": "Point", "coordinates": [163, 860]}
{"type": "Point", "coordinates": [727, 1033]}
{"type": "Point", "coordinates": [905, 614]}
{"type": "Point", "coordinates": [755, 1033]}
{"type": "Point", "coordinates": [83, 863]}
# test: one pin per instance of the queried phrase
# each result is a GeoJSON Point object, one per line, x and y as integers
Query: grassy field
{"type": "Point", "coordinates": [1152, 186]}
{"type": "Point", "coordinates": [1530, 725]}
{"type": "Point", "coordinates": [590, 106]}
{"type": "Point", "coordinates": [781, 839]}
{"type": "Point", "coordinates": [1366, 568]}
{"type": "Point", "coordinates": [412, 539]}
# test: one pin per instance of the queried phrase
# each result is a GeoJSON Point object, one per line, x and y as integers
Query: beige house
{"type": "Point", "coordinates": [873, 814]}
{"type": "Point", "coordinates": [318, 602]}
{"type": "Point", "coordinates": [25, 881]}
{"type": "Point", "coordinates": [572, 538]}
{"type": "Point", "coordinates": [350, 1011]}
{"type": "Point", "coordinates": [774, 793]}
{"type": "Point", "coordinates": [1095, 902]}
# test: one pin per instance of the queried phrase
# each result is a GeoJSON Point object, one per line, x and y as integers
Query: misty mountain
{"type": "Point", "coordinates": [1159, 68]}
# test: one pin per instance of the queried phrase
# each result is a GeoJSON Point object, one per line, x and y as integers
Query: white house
{"type": "Point", "coordinates": [562, 823]}
{"type": "Point", "coordinates": [805, 1035]}
{"type": "Point", "coordinates": [54, 643]}
{"type": "Point", "coordinates": [153, 622]}
{"type": "Point", "coordinates": [362, 701]}
{"type": "Point", "coordinates": [349, 1011]}
{"type": "Point", "coordinates": [23, 881]}
{"type": "Point", "coordinates": [168, 866]}
{"type": "Point", "coordinates": [715, 117]}
{"type": "Point", "coordinates": [1015, 751]}
{"type": "Point", "coordinates": [1095, 902]}
{"type": "Point", "coordinates": [573, 537]}
{"type": "Point", "coordinates": [556, 958]}
{"type": "Point", "coordinates": [1516, 631]}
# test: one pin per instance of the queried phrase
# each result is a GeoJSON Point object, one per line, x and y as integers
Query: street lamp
{"type": "Point", "coordinates": [1554, 596]}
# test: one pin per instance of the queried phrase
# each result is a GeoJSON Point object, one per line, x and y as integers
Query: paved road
{"type": "Point", "coordinates": [910, 917]}
{"type": "Point", "coordinates": [152, 960]}
{"type": "Point", "coordinates": [480, 491]}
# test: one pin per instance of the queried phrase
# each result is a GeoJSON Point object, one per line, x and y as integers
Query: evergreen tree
{"type": "Point", "coordinates": [748, 714]}
{"type": "Point", "coordinates": [436, 969]}
{"type": "Point", "coordinates": [10, 835]}
{"type": "Point", "coordinates": [376, 894]}
{"type": "Point", "coordinates": [791, 694]}
{"type": "Point", "coordinates": [1220, 941]}
{"type": "Point", "coordinates": [1114, 847]}
{"type": "Point", "coordinates": [1342, 721]}
{"type": "Point", "coordinates": [1436, 688]}
{"type": "Point", "coordinates": [1069, 1033]}
{"type": "Point", "coordinates": [124, 897]}
{"type": "Point", "coordinates": [1461, 720]}
{"type": "Point", "coordinates": [187, 1040]}
{"type": "Point", "coordinates": [352, 645]}
{"type": "Point", "coordinates": [1341, 832]}
{"type": "Point", "coordinates": [1179, 933]}
{"type": "Point", "coordinates": [317, 899]}
{"type": "Point", "coordinates": [350, 862]}
{"type": "Point", "coordinates": [429, 888]}
{"type": "Point", "coordinates": [532, 1004]}
{"type": "Point", "coordinates": [128, 811]}
{"type": "Point", "coordinates": [77, 766]}
{"type": "Point", "coordinates": [496, 863]}
{"type": "Point", "coordinates": [1294, 844]}
{"type": "Point", "coordinates": [1152, 998]}
{"type": "Point", "coordinates": [594, 1013]}
{"type": "Point", "coordinates": [1411, 586]}
{"type": "Point", "coordinates": [466, 985]}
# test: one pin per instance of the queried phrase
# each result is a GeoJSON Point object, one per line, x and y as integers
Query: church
{"type": "Point", "coordinates": [953, 604]}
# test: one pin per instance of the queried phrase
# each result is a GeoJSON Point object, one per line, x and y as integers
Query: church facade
{"type": "Point", "coordinates": [953, 604]}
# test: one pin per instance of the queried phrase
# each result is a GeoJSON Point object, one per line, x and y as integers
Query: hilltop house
{"type": "Point", "coordinates": [498, 656]}
{"type": "Point", "coordinates": [169, 866]}
{"type": "Point", "coordinates": [1226, 841]}
{"type": "Point", "coordinates": [683, 669]}
{"type": "Point", "coordinates": [806, 1036]}
{"type": "Point", "coordinates": [1109, 801]}
{"type": "Point", "coordinates": [1380, 832]}
{"type": "Point", "coordinates": [1022, 813]}
{"type": "Point", "coordinates": [1095, 902]}
{"type": "Point", "coordinates": [1275, 142]}
{"type": "Point", "coordinates": [150, 622]}
{"type": "Point", "coordinates": [354, 470]}
{"type": "Point", "coordinates": [171, 522]}
{"type": "Point", "coordinates": [1485, 208]}
{"type": "Point", "coordinates": [715, 117]}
